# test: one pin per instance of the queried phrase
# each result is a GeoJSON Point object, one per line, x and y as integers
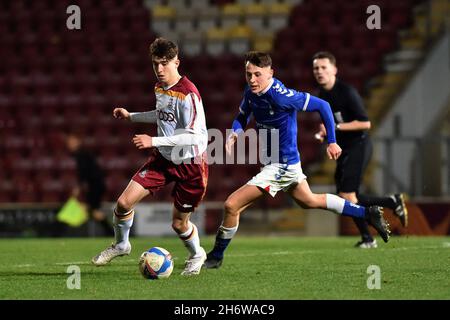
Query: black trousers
{"type": "Point", "coordinates": [350, 169]}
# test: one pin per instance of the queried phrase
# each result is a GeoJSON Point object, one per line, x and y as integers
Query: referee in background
{"type": "Point", "coordinates": [352, 125]}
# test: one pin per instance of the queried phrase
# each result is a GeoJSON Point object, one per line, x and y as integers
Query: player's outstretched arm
{"type": "Point", "coordinates": [145, 117]}
{"type": "Point", "coordinates": [323, 107]}
{"type": "Point", "coordinates": [290, 99]}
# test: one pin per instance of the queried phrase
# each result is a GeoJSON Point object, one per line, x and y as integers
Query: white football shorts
{"type": "Point", "coordinates": [277, 176]}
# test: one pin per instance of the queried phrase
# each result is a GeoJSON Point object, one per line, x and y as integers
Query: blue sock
{"type": "Point", "coordinates": [223, 238]}
{"type": "Point", "coordinates": [219, 247]}
{"type": "Point", "coordinates": [353, 210]}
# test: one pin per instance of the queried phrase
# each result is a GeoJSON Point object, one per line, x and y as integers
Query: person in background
{"type": "Point", "coordinates": [352, 125]}
{"type": "Point", "coordinates": [91, 185]}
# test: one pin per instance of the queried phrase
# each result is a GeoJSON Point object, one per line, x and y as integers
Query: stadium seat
{"type": "Point", "coordinates": [54, 73]}
{"type": "Point", "coordinates": [278, 13]}
{"type": "Point", "coordinates": [263, 42]}
{"type": "Point", "coordinates": [24, 187]}
{"type": "Point", "coordinates": [216, 41]}
{"type": "Point", "coordinates": [207, 17]}
{"type": "Point", "coordinates": [184, 21]}
{"type": "Point", "coordinates": [239, 39]}
{"type": "Point", "coordinates": [192, 43]}
{"type": "Point", "coordinates": [115, 183]}
{"type": "Point", "coordinates": [255, 16]}
{"type": "Point", "coordinates": [162, 18]}
{"type": "Point", "coordinates": [231, 15]}
{"type": "Point", "coordinates": [50, 187]}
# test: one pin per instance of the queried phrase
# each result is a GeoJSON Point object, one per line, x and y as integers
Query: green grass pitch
{"type": "Point", "coordinates": [287, 268]}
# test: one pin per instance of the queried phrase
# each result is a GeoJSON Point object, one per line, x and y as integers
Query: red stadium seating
{"type": "Point", "coordinates": [53, 79]}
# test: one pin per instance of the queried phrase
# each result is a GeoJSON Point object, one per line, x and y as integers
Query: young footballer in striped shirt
{"type": "Point", "coordinates": [177, 155]}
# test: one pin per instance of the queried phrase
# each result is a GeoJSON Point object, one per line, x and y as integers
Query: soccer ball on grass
{"type": "Point", "coordinates": [156, 263]}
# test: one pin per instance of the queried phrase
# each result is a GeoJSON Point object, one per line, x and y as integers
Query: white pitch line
{"type": "Point", "coordinates": [264, 253]}
{"type": "Point", "coordinates": [174, 258]}
{"type": "Point", "coordinates": [444, 245]}
{"type": "Point", "coordinates": [72, 263]}
{"type": "Point", "coordinates": [24, 265]}
{"type": "Point", "coordinates": [416, 248]}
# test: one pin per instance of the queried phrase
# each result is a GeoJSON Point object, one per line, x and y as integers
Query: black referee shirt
{"type": "Point", "coordinates": [347, 105]}
{"type": "Point", "coordinates": [88, 170]}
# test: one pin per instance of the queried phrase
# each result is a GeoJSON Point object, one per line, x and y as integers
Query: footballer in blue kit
{"type": "Point", "coordinates": [275, 107]}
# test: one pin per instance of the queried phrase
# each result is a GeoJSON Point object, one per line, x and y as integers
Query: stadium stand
{"type": "Point", "coordinates": [53, 79]}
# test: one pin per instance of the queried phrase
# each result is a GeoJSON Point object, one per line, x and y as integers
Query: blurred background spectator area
{"type": "Point", "coordinates": [53, 79]}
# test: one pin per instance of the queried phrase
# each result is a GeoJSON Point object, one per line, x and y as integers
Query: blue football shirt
{"type": "Point", "coordinates": [276, 109]}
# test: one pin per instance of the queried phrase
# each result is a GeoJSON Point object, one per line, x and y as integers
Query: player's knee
{"type": "Point", "coordinates": [124, 205]}
{"type": "Point", "coordinates": [179, 226]}
{"type": "Point", "coordinates": [176, 226]}
{"type": "Point", "coordinates": [230, 207]}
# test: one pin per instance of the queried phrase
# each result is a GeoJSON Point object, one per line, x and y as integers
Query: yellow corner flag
{"type": "Point", "coordinates": [73, 213]}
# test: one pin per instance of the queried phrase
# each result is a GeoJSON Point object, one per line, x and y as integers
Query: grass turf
{"type": "Point", "coordinates": [287, 268]}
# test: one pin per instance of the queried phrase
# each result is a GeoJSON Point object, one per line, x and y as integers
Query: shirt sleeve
{"type": "Point", "coordinates": [146, 117]}
{"type": "Point", "coordinates": [242, 119]}
{"type": "Point", "coordinates": [180, 139]}
{"type": "Point", "coordinates": [289, 99]}
{"type": "Point", "coordinates": [324, 109]}
{"type": "Point", "coordinates": [292, 100]}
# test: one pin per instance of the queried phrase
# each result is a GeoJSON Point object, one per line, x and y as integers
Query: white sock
{"type": "Point", "coordinates": [335, 203]}
{"type": "Point", "coordinates": [122, 225]}
{"type": "Point", "coordinates": [191, 240]}
{"type": "Point", "coordinates": [227, 233]}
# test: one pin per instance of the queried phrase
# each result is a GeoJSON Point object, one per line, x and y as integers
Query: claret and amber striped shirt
{"type": "Point", "coordinates": [181, 121]}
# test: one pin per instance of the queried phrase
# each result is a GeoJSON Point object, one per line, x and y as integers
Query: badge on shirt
{"type": "Point", "coordinates": [338, 117]}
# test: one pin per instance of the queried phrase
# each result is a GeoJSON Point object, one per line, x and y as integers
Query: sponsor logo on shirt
{"type": "Point", "coordinates": [166, 116]}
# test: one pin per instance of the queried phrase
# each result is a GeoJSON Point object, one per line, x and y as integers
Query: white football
{"type": "Point", "coordinates": [156, 263]}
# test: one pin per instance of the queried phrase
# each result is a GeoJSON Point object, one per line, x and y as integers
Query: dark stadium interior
{"type": "Point", "coordinates": [53, 79]}
{"type": "Point", "coordinates": [65, 65]}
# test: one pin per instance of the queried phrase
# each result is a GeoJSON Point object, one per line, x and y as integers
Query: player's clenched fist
{"type": "Point", "coordinates": [121, 113]}
{"type": "Point", "coordinates": [334, 151]}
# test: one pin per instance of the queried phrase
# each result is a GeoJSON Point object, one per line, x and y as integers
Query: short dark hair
{"type": "Point", "coordinates": [259, 59]}
{"type": "Point", "coordinates": [325, 55]}
{"type": "Point", "coordinates": [163, 48]}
